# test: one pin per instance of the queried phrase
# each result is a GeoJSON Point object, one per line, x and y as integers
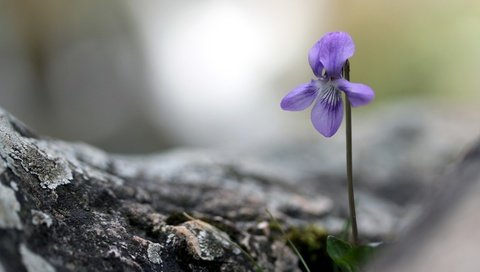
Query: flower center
{"type": "Point", "coordinates": [330, 95]}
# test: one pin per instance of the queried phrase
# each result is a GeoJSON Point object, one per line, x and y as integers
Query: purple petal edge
{"type": "Point", "coordinates": [358, 94]}
{"type": "Point", "coordinates": [334, 49]}
{"type": "Point", "coordinates": [301, 97]}
{"type": "Point", "coordinates": [314, 59]}
{"type": "Point", "coordinates": [327, 118]}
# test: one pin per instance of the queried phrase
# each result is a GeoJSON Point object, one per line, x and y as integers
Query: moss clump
{"type": "Point", "coordinates": [311, 242]}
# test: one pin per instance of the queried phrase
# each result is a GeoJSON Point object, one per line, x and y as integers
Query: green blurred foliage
{"type": "Point", "coordinates": [348, 257]}
{"type": "Point", "coordinates": [414, 48]}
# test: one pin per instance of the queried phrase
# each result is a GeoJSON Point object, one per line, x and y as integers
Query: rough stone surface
{"type": "Point", "coordinates": [25, 155]}
{"type": "Point", "coordinates": [72, 207]}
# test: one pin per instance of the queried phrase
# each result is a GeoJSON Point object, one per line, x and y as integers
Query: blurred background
{"type": "Point", "coordinates": [141, 76]}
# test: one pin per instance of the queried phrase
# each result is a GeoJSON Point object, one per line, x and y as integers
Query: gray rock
{"type": "Point", "coordinates": [75, 208]}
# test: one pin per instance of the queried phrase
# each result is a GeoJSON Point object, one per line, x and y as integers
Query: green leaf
{"type": "Point", "coordinates": [361, 254]}
{"type": "Point", "coordinates": [338, 249]}
{"type": "Point", "coordinates": [347, 256]}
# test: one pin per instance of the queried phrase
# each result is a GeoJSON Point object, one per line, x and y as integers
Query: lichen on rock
{"type": "Point", "coordinates": [51, 170]}
{"type": "Point", "coordinates": [154, 253]}
{"type": "Point", "coordinates": [203, 241]}
{"type": "Point", "coordinates": [39, 218]}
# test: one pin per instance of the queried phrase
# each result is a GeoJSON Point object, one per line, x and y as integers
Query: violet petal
{"type": "Point", "coordinates": [327, 113]}
{"type": "Point", "coordinates": [334, 49]}
{"type": "Point", "coordinates": [314, 60]}
{"type": "Point", "coordinates": [358, 94]}
{"type": "Point", "coordinates": [301, 97]}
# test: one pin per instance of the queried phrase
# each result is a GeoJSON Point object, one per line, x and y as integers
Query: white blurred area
{"type": "Point", "coordinates": [214, 65]}
{"type": "Point", "coordinates": [140, 76]}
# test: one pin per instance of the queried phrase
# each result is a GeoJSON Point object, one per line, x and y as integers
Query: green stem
{"type": "Point", "coordinates": [351, 196]}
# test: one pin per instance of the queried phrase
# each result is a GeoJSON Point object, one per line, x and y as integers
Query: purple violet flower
{"type": "Point", "coordinates": [327, 58]}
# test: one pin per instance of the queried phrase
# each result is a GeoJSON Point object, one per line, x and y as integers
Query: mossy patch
{"type": "Point", "coordinates": [311, 242]}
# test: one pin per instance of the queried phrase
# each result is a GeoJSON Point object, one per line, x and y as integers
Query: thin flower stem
{"type": "Point", "coordinates": [351, 196]}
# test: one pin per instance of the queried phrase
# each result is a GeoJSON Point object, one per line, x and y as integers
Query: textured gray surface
{"type": "Point", "coordinates": [72, 207]}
